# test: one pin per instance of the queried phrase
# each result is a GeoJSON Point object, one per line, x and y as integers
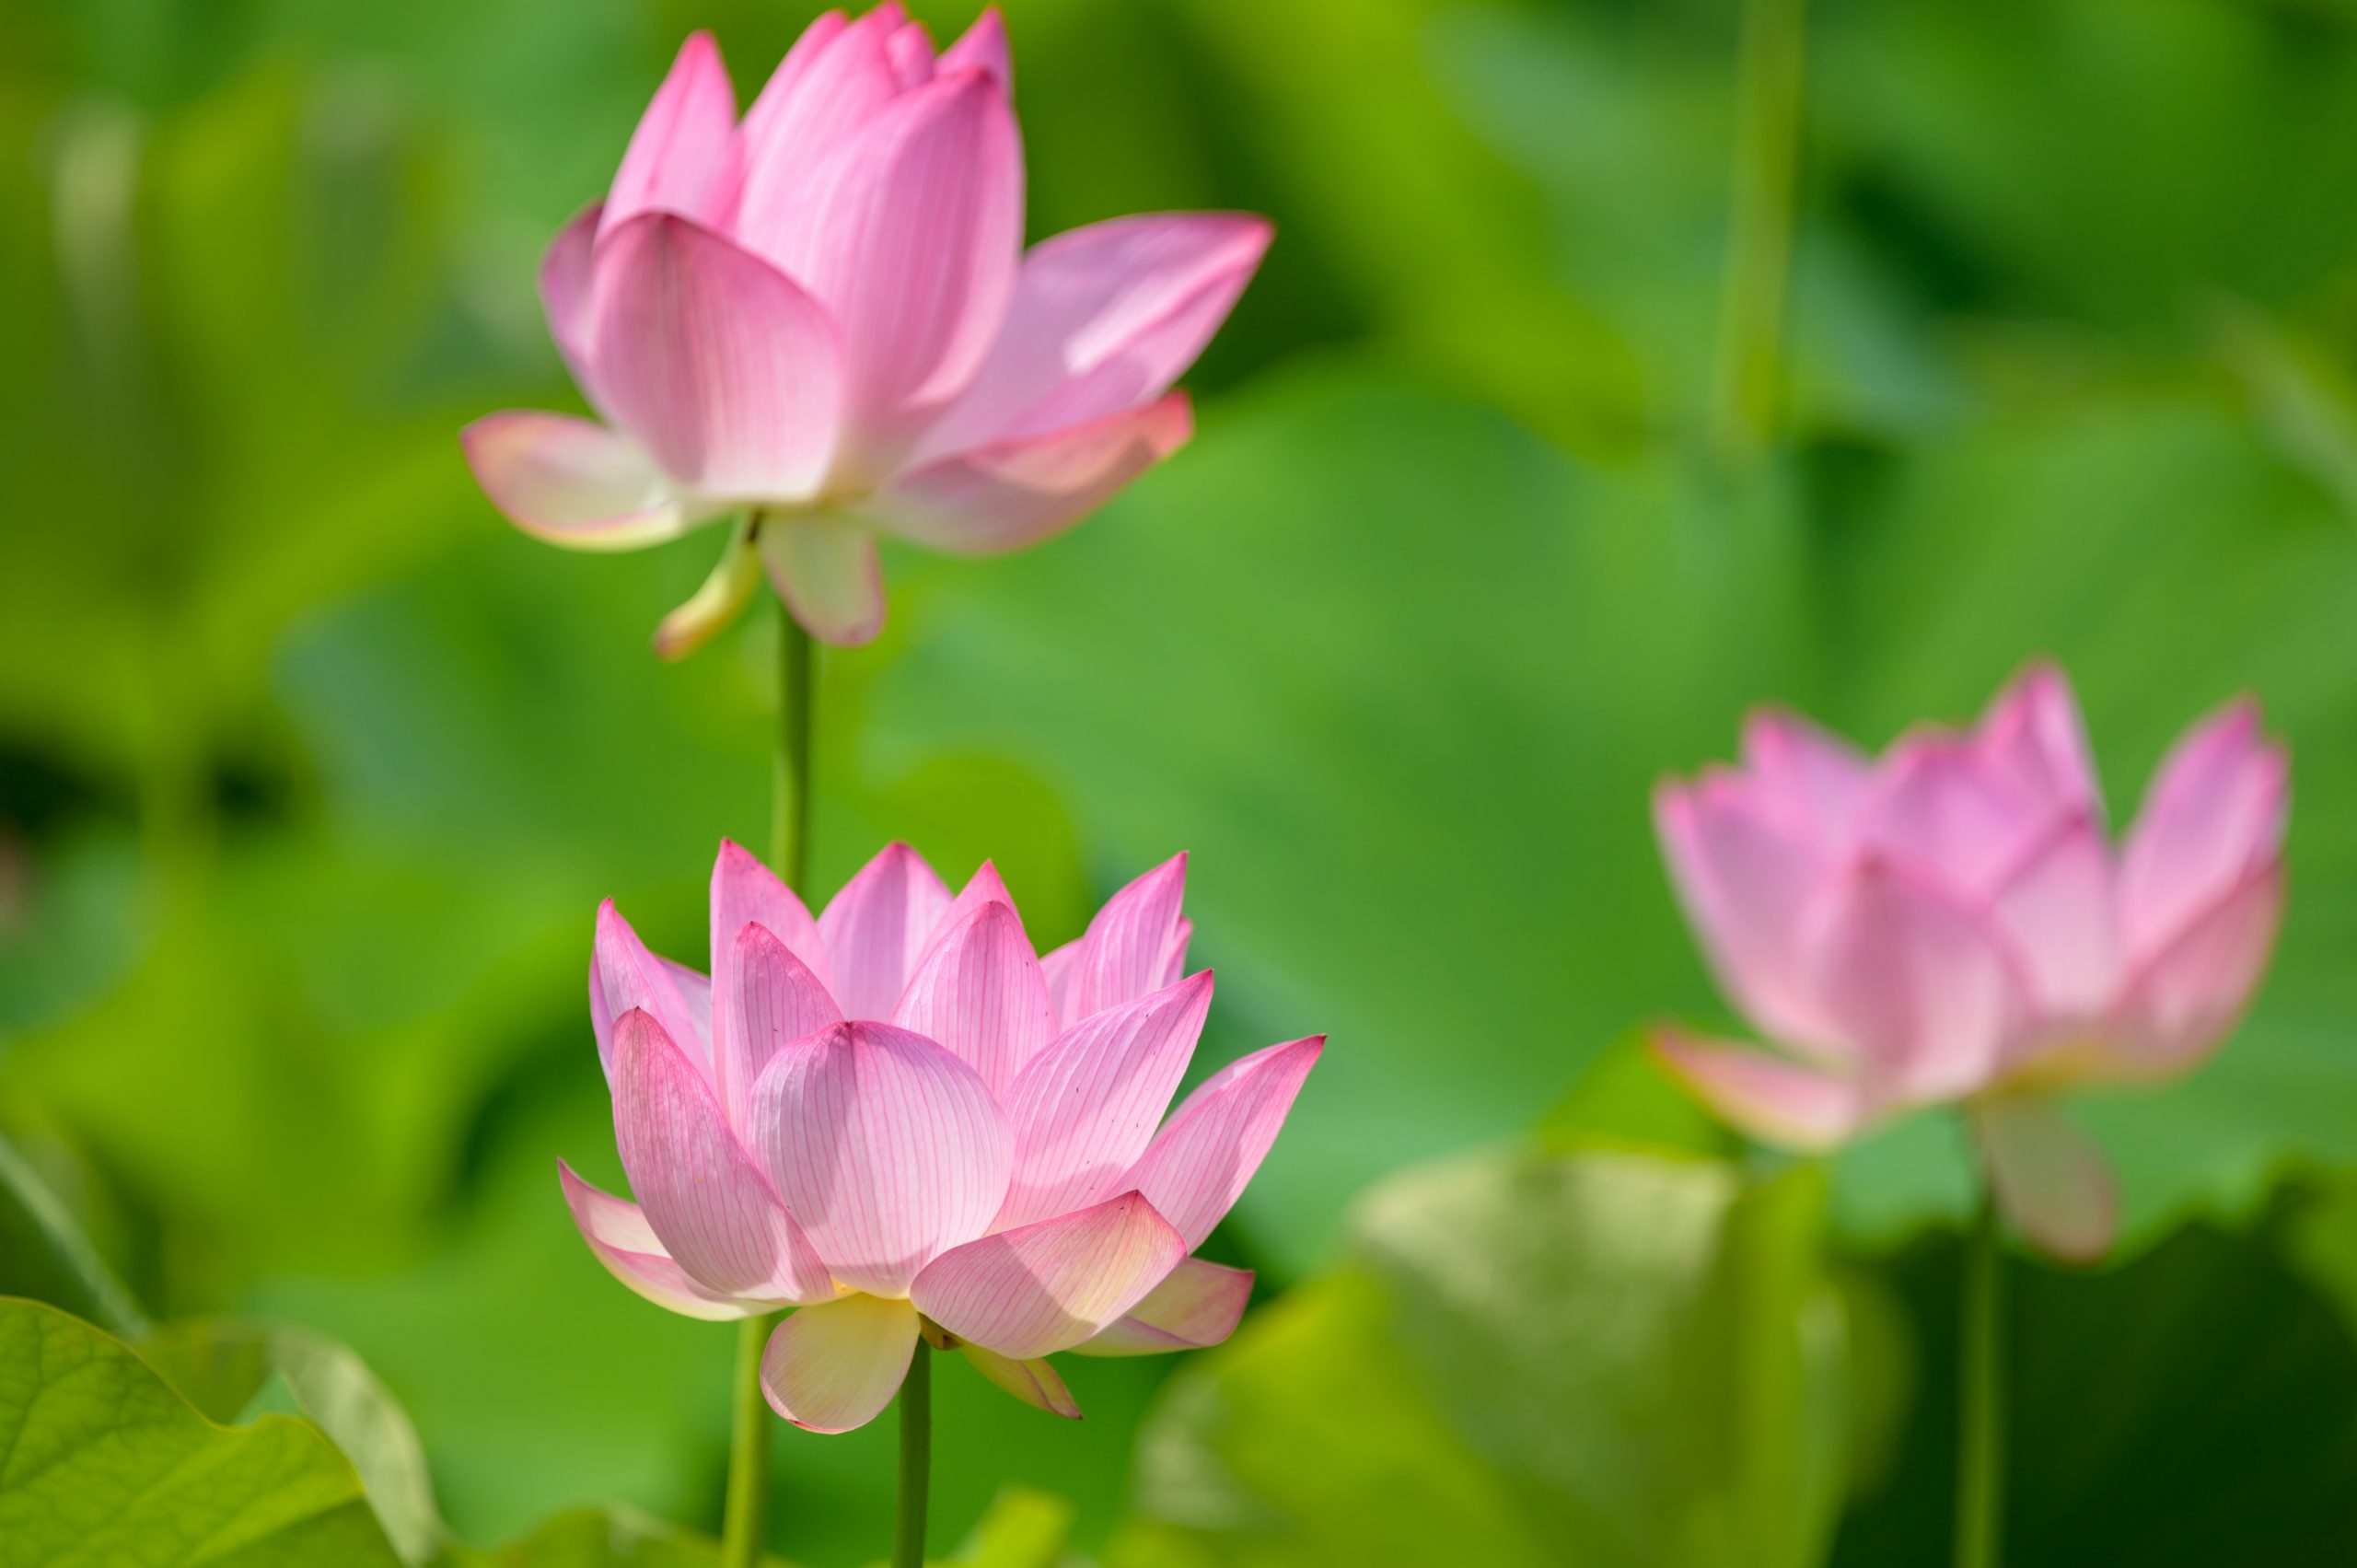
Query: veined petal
{"type": "Point", "coordinates": [714, 1209]}
{"type": "Point", "coordinates": [876, 927]}
{"type": "Point", "coordinates": [1776, 1101]}
{"type": "Point", "coordinates": [825, 569]}
{"type": "Point", "coordinates": [2049, 1177]}
{"type": "Point", "coordinates": [837, 77]}
{"type": "Point", "coordinates": [1199, 1305]}
{"type": "Point", "coordinates": [1198, 1163]}
{"type": "Point", "coordinates": [683, 158]}
{"type": "Point", "coordinates": [728, 373]}
{"type": "Point", "coordinates": [2032, 732]}
{"type": "Point", "coordinates": [623, 975]}
{"type": "Point", "coordinates": [887, 1149]}
{"type": "Point", "coordinates": [1084, 1109]}
{"type": "Point", "coordinates": [1104, 319]}
{"type": "Point", "coordinates": [835, 1366]}
{"type": "Point", "coordinates": [620, 1236]}
{"type": "Point", "coordinates": [572, 483]}
{"type": "Point", "coordinates": [984, 887]}
{"type": "Point", "coordinates": [979, 995]}
{"type": "Point", "coordinates": [2215, 812]}
{"type": "Point", "coordinates": [2180, 1001]}
{"type": "Point", "coordinates": [1120, 957]}
{"type": "Point", "coordinates": [2056, 912]}
{"type": "Point", "coordinates": [769, 999]}
{"type": "Point", "coordinates": [1044, 1288]}
{"type": "Point", "coordinates": [1018, 492]}
{"type": "Point", "coordinates": [1034, 1382]}
{"type": "Point", "coordinates": [745, 890]}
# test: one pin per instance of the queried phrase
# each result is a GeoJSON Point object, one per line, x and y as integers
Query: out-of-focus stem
{"type": "Point", "coordinates": [1980, 1429]}
{"type": "Point", "coordinates": [789, 804]}
{"type": "Point", "coordinates": [1748, 404]}
{"type": "Point", "coordinates": [916, 1461]}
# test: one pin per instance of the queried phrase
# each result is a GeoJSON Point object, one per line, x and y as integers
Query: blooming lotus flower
{"type": "Point", "coordinates": [821, 319]}
{"type": "Point", "coordinates": [899, 1120]}
{"type": "Point", "coordinates": [1950, 923]}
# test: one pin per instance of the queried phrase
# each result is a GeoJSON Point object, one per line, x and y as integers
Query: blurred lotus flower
{"type": "Point", "coordinates": [900, 1121]}
{"type": "Point", "coordinates": [821, 319]}
{"type": "Point", "coordinates": [1950, 923]}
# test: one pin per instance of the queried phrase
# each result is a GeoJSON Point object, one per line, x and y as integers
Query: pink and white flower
{"type": "Point", "coordinates": [821, 319]}
{"type": "Point", "coordinates": [1950, 923]}
{"type": "Point", "coordinates": [900, 1121]}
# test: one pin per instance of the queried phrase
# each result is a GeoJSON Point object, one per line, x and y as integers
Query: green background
{"type": "Point", "coordinates": [312, 771]}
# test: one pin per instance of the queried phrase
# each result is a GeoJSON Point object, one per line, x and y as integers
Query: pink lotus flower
{"type": "Point", "coordinates": [1949, 923]}
{"type": "Point", "coordinates": [821, 317]}
{"type": "Point", "coordinates": [898, 1119]}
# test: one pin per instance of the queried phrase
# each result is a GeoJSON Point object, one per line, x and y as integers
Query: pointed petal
{"type": "Point", "coordinates": [984, 47]}
{"type": "Point", "coordinates": [876, 927]}
{"type": "Point", "coordinates": [720, 364]}
{"type": "Point", "coordinates": [2049, 1177]}
{"type": "Point", "coordinates": [768, 1000]}
{"type": "Point", "coordinates": [1198, 1165]}
{"type": "Point", "coordinates": [1034, 1382]}
{"type": "Point", "coordinates": [2055, 913]}
{"type": "Point", "coordinates": [2183, 999]}
{"type": "Point", "coordinates": [1044, 1288]}
{"type": "Point", "coordinates": [982, 887]}
{"type": "Point", "coordinates": [623, 975]}
{"type": "Point", "coordinates": [1086, 1109]}
{"type": "Point", "coordinates": [825, 569]}
{"type": "Point", "coordinates": [1819, 779]}
{"type": "Point", "coordinates": [887, 1149]}
{"type": "Point", "coordinates": [835, 1366]}
{"type": "Point", "coordinates": [1776, 1101]}
{"type": "Point", "coordinates": [2032, 732]}
{"type": "Point", "coordinates": [744, 889]}
{"type": "Point", "coordinates": [684, 156]}
{"type": "Point", "coordinates": [700, 1192]}
{"type": "Point", "coordinates": [570, 482]}
{"type": "Point", "coordinates": [1104, 319]}
{"type": "Point", "coordinates": [837, 77]}
{"type": "Point", "coordinates": [910, 48]}
{"type": "Point", "coordinates": [1944, 808]}
{"type": "Point", "coordinates": [2215, 812]}
{"type": "Point", "coordinates": [619, 1237]}
{"type": "Point", "coordinates": [1121, 955]}
{"type": "Point", "coordinates": [1018, 492]}
{"type": "Point", "coordinates": [980, 995]}
{"type": "Point", "coordinates": [1199, 1305]}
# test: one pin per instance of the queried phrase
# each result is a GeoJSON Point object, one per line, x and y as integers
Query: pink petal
{"type": "Point", "coordinates": [1199, 1305]}
{"type": "Point", "coordinates": [1058, 967]}
{"type": "Point", "coordinates": [1044, 1288]}
{"type": "Point", "coordinates": [700, 1192]}
{"type": "Point", "coordinates": [1120, 957]}
{"type": "Point", "coordinates": [825, 571]}
{"type": "Point", "coordinates": [1917, 985]}
{"type": "Point", "coordinates": [887, 1149]}
{"type": "Point", "coordinates": [726, 371]}
{"type": "Point", "coordinates": [744, 889]}
{"type": "Point", "coordinates": [1814, 778]}
{"type": "Point", "coordinates": [2216, 813]}
{"type": "Point", "coordinates": [983, 886]}
{"type": "Point", "coordinates": [1104, 319]}
{"type": "Point", "coordinates": [618, 1234]}
{"type": "Point", "coordinates": [1085, 1111]}
{"type": "Point", "coordinates": [572, 483]}
{"type": "Point", "coordinates": [2032, 732]}
{"type": "Point", "coordinates": [979, 993]}
{"type": "Point", "coordinates": [567, 276]}
{"type": "Point", "coordinates": [769, 999]}
{"type": "Point", "coordinates": [910, 48]}
{"type": "Point", "coordinates": [2055, 912]}
{"type": "Point", "coordinates": [1776, 1101]}
{"type": "Point", "coordinates": [684, 156]}
{"type": "Point", "coordinates": [2049, 1180]}
{"type": "Point", "coordinates": [1021, 490]}
{"type": "Point", "coordinates": [623, 975]}
{"type": "Point", "coordinates": [695, 997]}
{"type": "Point", "coordinates": [2181, 1001]}
{"type": "Point", "coordinates": [876, 927]}
{"type": "Point", "coordinates": [837, 77]}
{"type": "Point", "coordinates": [835, 1366]}
{"type": "Point", "coordinates": [1034, 1382]}
{"type": "Point", "coordinates": [984, 47]}
{"type": "Point", "coordinates": [1944, 808]}
{"type": "Point", "coordinates": [908, 230]}
{"type": "Point", "coordinates": [1198, 1165]}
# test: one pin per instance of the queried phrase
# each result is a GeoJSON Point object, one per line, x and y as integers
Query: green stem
{"type": "Point", "coordinates": [916, 1461]}
{"type": "Point", "coordinates": [1980, 1430]}
{"type": "Point", "coordinates": [745, 1523]}
{"type": "Point", "coordinates": [1750, 390]}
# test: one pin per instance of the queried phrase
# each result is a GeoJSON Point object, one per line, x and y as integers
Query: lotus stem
{"type": "Point", "coordinates": [916, 1461]}
{"type": "Point", "coordinates": [1980, 1430]}
{"type": "Point", "coordinates": [1748, 405]}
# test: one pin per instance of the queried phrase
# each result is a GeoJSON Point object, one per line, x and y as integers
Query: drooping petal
{"type": "Point", "coordinates": [1086, 1107]}
{"type": "Point", "coordinates": [1198, 1165]}
{"type": "Point", "coordinates": [837, 77]}
{"type": "Point", "coordinates": [1120, 957]}
{"type": "Point", "coordinates": [1813, 777]}
{"type": "Point", "coordinates": [2180, 1001]}
{"type": "Point", "coordinates": [825, 569]}
{"type": "Point", "coordinates": [875, 928]}
{"type": "Point", "coordinates": [835, 1366]}
{"type": "Point", "coordinates": [887, 1149]}
{"type": "Point", "coordinates": [1034, 1382]}
{"type": "Point", "coordinates": [1942, 808]}
{"type": "Point", "coordinates": [730, 586]}
{"type": "Point", "coordinates": [2215, 812]}
{"type": "Point", "coordinates": [2049, 1177]}
{"type": "Point", "coordinates": [979, 995]}
{"type": "Point", "coordinates": [700, 1192]}
{"type": "Point", "coordinates": [1777, 1101]}
{"type": "Point", "coordinates": [721, 365]}
{"type": "Point", "coordinates": [1104, 319]}
{"type": "Point", "coordinates": [2032, 732]}
{"type": "Point", "coordinates": [2055, 911]}
{"type": "Point", "coordinates": [623, 975]}
{"type": "Point", "coordinates": [683, 158]}
{"type": "Point", "coordinates": [744, 889]}
{"type": "Point", "coordinates": [572, 483]}
{"type": "Point", "coordinates": [768, 998]}
{"type": "Point", "coordinates": [1044, 1288]}
{"type": "Point", "coordinates": [1199, 1305]}
{"type": "Point", "coordinates": [618, 1234]}
{"type": "Point", "coordinates": [1021, 490]}
{"type": "Point", "coordinates": [982, 47]}
{"type": "Point", "coordinates": [1915, 982]}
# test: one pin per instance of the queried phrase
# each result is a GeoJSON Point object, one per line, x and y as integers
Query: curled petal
{"type": "Point", "coordinates": [979, 995]}
{"type": "Point", "coordinates": [1198, 1163]}
{"type": "Point", "coordinates": [684, 156]}
{"type": "Point", "coordinates": [745, 891]}
{"type": "Point", "coordinates": [2049, 1180]}
{"type": "Point", "coordinates": [1042, 1288]}
{"type": "Point", "coordinates": [1199, 1305]}
{"type": "Point", "coordinates": [618, 1234]}
{"type": "Point", "coordinates": [1120, 957]}
{"type": "Point", "coordinates": [623, 975]}
{"type": "Point", "coordinates": [835, 1366]}
{"type": "Point", "coordinates": [2032, 732]}
{"type": "Point", "coordinates": [877, 925]}
{"type": "Point", "coordinates": [572, 483]}
{"type": "Point", "coordinates": [2215, 814]}
{"type": "Point", "coordinates": [769, 999]}
{"type": "Point", "coordinates": [2181, 1001]}
{"type": "Point", "coordinates": [825, 569]}
{"type": "Point", "coordinates": [1034, 1382]}
{"type": "Point", "coordinates": [1776, 1101]}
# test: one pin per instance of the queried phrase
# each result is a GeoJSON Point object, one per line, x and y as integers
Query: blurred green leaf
{"type": "Point", "coordinates": [594, 1538]}
{"type": "Point", "coordinates": [44, 1257]}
